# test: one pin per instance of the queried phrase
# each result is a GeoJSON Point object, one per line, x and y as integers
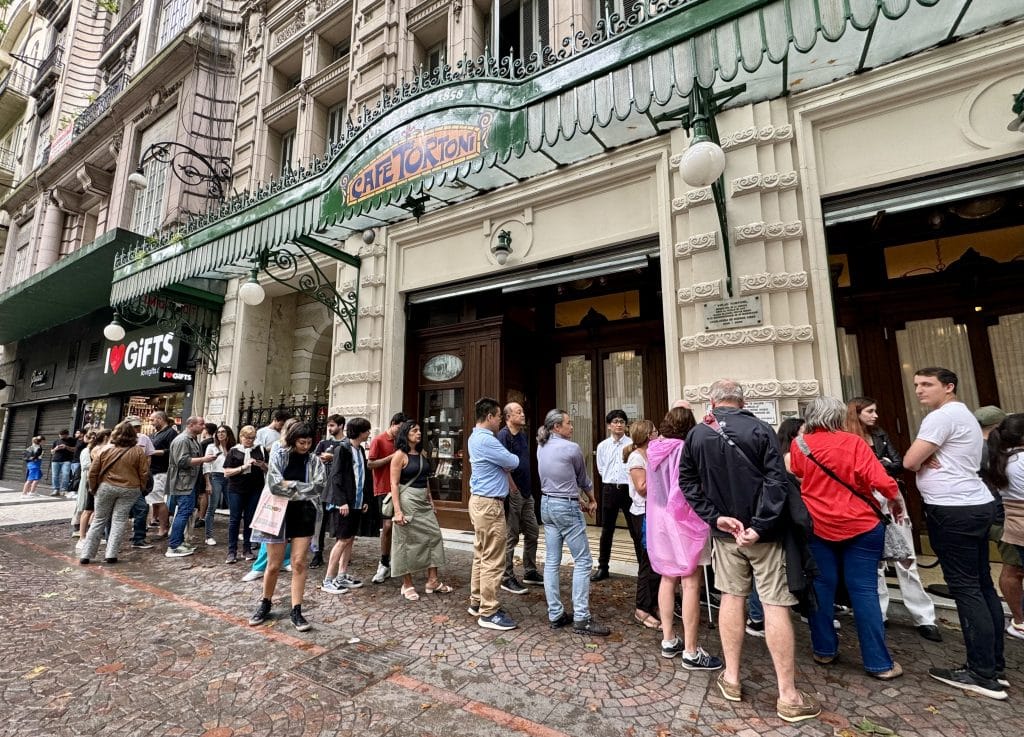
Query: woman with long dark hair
{"type": "Point", "coordinates": [1005, 474]}
{"type": "Point", "coordinates": [223, 441]}
{"type": "Point", "coordinates": [862, 420]}
{"type": "Point", "coordinates": [664, 496]}
{"type": "Point", "coordinates": [416, 542]}
{"type": "Point", "coordinates": [641, 432]}
{"type": "Point", "coordinates": [297, 474]}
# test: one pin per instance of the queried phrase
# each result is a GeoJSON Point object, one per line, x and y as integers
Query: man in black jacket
{"type": "Point", "coordinates": [733, 476]}
{"type": "Point", "coordinates": [349, 489]}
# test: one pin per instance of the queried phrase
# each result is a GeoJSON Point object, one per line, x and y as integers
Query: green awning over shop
{"type": "Point", "coordinates": [71, 288]}
{"type": "Point", "coordinates": [488, 124]}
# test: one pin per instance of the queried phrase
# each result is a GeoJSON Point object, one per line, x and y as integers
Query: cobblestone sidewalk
{"type": "Point", "coordinates": [156, 646]}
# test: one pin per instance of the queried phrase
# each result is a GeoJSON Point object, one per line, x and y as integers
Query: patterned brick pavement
{"type": "Point", "coordinates": [157, 646]}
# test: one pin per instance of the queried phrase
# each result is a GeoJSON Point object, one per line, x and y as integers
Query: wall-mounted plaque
{"type": "Point", "coordinates": [733, 313]}
{"type": "Point", "coordinates": [764, 409]}
{"type": "Point", "coordinates": [443, 367]}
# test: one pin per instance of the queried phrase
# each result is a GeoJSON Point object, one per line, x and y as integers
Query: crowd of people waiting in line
{"type": "Point", "coordinates": [786, 519]}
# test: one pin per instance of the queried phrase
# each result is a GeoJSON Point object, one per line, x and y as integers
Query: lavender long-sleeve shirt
{"type": "Point", "coordinates": [562, 469]}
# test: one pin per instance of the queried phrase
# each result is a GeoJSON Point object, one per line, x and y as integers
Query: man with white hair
{"type": "Point", "coordinates": [733, 476]}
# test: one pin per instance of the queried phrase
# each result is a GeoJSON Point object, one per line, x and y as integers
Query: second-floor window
{"type": "Point", "coordinates": [287, 152]}
{"type": "Point", "coordinates": [174, 16]}
{"type": "Point", "coordinates": [23, 255]}
{"type": "Point", "coordinates": [435, 57]}
{"type": "Point", "coordinates": [622, 8]}
{"type": "Point", "coordinates": [335, 124]}
{"type": "Point", "coordinates": [523, 28]}
{"type": "Point", "coordinates": [148, 208]}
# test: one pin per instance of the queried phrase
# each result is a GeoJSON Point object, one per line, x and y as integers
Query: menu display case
{"type": "Point", "coordinates": [444, 441]}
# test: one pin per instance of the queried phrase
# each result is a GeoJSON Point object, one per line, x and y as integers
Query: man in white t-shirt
{"type": "Point", "coordinates": [959, 510]}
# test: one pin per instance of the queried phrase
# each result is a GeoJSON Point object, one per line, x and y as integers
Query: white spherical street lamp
{"type": "Point", "coordinates": [114, 332]}
{"type": "Point", "coordinates": [252, 292]}
{"type": "Point", "coordinates": [704, 161]}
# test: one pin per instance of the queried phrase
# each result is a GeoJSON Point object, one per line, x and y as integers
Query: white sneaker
{"type": "Point", "coordinates": [382, 574]}
{"type": "Point", "coordinates": [253, 576]}
{"type": "Point", "coordinates": [288, 568]}
{"type": "Point", "coordinates": [331, 586]}
{"type": "Point", "coordinates": [210, 541]}
{"type": "Point", "coordinates": [179, 552]}
{"type": "Point", "coordinates": [1015, 630]}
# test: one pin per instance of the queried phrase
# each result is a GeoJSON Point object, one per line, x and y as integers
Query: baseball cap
{"type": "Point", "coordinates": [989, 415]}
{"type": "Point", "coordinates": [134, 419]}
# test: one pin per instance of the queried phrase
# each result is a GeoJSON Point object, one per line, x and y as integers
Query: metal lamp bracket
{"type": "Point", "coordinates": [283, 266]}
{"type": "Point", "coordinates": [183, 319]}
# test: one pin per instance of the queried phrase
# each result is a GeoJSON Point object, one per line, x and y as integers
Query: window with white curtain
{"type": "Point", "coordinates": [939, 342]}
{"type": "Point", "coordinates": [624, 383]}
{"type": "Point", "coordinates": [149, 206]}
{"type": "Point", "coordinates": [287, 152]}
{"type": "Point", "coordinates": [574, 394]}
{"type": "Point", "coordinates": [335, 124]}
{"type": "Point", "coordinates": [1007, 340]}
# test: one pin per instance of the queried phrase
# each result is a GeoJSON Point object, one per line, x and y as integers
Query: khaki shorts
{"type": "Point", "coordinates": [158, 495]}
{"type": "Point", "coordinates": [736, 568]}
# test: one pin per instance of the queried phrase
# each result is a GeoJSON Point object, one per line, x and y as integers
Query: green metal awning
{"type": "Point", "coordinates": [71, 288]}
{"type": "Point", "coordinates": [489, 123]}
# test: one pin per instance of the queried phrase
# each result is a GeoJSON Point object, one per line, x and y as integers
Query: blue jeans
{"type": "Point", "coordinates": [754, 609]}
{"type": "Point", "coordinates": [859, 557]}
{"type": "Point", "coordinates": [564, 523]}
{"type": "Point", "coordinates": [140, 518]}
{"type": "Point", "coordinates": [60, 474]}
{"type": "Point", "coordinates": [243, 509]}
{"type": "Point", "coordinates": [183, 508]}
{"type": "Point", "coordinates": [218, 487]}
{"type": "Point", "coordinates": [959, 536]}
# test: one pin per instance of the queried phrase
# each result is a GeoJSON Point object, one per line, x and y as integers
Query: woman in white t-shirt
{"type": "Point", "coordinates": [647, 581]}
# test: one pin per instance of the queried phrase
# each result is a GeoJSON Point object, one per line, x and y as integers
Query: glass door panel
{"type": "Point", "coordinates": [624, 383]}
{"type": "Point", "coordinates": [443, 441]}
{"type": "Point", "coordinates": [574, 394]}
{"type": "Point", "coordinates": [1007, 341]}
{"type": "Point", "coordinates": [939, 342]}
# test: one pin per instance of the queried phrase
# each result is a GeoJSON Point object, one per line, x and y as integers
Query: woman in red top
{"type": "Point", "coordinates": [847, 530]}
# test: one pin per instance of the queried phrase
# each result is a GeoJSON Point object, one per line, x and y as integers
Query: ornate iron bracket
{"type": "Point", "coordinates": [214, 171]}
{"type": "Point", "coordinates": [283, 266]}
{"type": "Point", "coordinates": [197, 326]}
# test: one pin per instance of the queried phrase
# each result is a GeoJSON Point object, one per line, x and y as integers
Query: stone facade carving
{"type": "Point", "coordinates": [372, 280]}
{"type": "Point", "coordinates": [374, 249]}
{"type": "Point", "coordinates": [757, 136]}
{"type": "Point", "coordinates": [693, 198]}
{"type": "Point", "coordinates": [356, 410]}
{"type": "Point", "coordinates": [371, 311]}
{"type": "Point", "coordinates": [762, 231]}
{"type": "Point", "coordinates": [778, 182]}
{"type": "Point", "coordinates": [760, 389]}
{"type": "Point", "coordinates": [768, 281]}
{"type": "Point", "coordinates": [355, 377]}
{"type": "Point", "coordinates": [700, 292]}
{"type": "Point", "coordinates": [766, 334]}
{"type": "Point", "coordinates": [697, 243]}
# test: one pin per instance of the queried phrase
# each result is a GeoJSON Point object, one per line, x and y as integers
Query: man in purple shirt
{"type": "Point", "coordinates": [566, 491]}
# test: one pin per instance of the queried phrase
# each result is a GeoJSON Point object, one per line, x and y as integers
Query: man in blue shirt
{"type": "Point", "coordinates": [520, 514]}
{"type": "Point", "coordinates": [488, 484]}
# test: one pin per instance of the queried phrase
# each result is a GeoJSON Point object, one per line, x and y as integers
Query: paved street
{"type": "Point", "coordinates": [154, 647]}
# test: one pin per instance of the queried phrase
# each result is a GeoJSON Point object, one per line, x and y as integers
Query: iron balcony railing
{"type": "Point", "coordinates": [114, 34]}
{"type": "Point", "coordinates": [7, 159]}
{"type": "Point", "coordinates": [50, 62]}
{"type": "Point", "coordinates": [102, 103]}
{"type": "Point", "coordinates": [14, 81]}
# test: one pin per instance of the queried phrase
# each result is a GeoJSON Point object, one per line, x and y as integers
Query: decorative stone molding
{"type": "Point", "coordinates": [675, 161]}
{"type": "Point", "coordinates": [355, 377]}
{"type": "Point", "coordinates": [697, 243]}
{"type": "Point", "coordinates": [372, 280]}
{"type": "Point", "coordinates": [363, 344]}
{"type": "Point", "coordinates": [778, 182]}
{"type": "Point", "coordinates": [374, 249]}
{"type": "Point", "coordinates": [693, 198]}
{"type": "Point", "coordinates": [757, 136]}
{"type": "Point", "coordinates": [760, 389]}
{"type": "Point", "coordinates": [762, 231]}
{"type": "Point", "coordinates": [768, 281]}
{"type": "Point", "coordinates": [700, 292]}
{"type": "Point", "coordinates": [765, 334]}
{"type": "Point", "coordinates": [371, 311]}
{"type": "Point", "coordinates": [356, 410]}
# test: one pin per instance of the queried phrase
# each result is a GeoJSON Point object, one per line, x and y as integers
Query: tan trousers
{"type": "Point", "coordinates": [488, 518]}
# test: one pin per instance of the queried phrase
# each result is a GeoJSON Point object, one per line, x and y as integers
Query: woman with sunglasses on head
{"type": "Point", "coordinates": [223, 441]}
{"type": "Point", "coordinates": [416, 542]}
{"type": "Point", "coordinates": [245, 468]}
{"type": "Point", "coordinates": [298, 475]}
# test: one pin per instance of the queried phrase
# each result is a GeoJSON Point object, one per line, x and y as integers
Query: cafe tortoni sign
{"type": "Point", "coordinates": [415, 151]}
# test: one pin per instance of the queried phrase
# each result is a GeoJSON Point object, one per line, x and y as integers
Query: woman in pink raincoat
{"type": "Point", "coordinates": [678, 543]}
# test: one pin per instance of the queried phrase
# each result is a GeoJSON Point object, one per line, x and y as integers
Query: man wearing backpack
{"type": "Point", "coordinates": [742, 500]}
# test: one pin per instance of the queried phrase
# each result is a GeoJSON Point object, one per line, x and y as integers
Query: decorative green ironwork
{"type": "Point", "coordinates": [283, 266]}
{"type": "Point", "coordinates": [197, 326]}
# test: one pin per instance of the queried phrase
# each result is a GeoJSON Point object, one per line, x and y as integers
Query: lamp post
{"type": "Point", "coordinates": [188, 165]}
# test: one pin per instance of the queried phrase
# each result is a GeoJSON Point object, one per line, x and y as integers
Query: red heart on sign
{"type": "Point", "coordinates": [116, 357]}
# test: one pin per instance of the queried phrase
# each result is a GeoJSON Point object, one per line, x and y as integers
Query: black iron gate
{"type": "Point", "coordinates": [312, 410]}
